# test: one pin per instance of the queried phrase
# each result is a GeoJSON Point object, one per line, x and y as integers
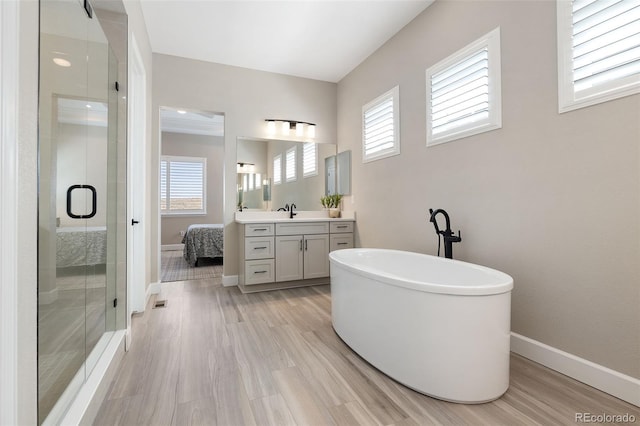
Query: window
{"type": "Point", "coordinates": [309, 159]}
{"type": "Point", "coordinates": [251, 181]}
{"type": "Point", "coordinates": [290, 172]}
{"type": "Point", "coordinates": [182, 185]}
{"type": "Point", "coordinates": [380, 126]}
{"type": "Point", "coordinates": [463, 92]}
{"type": "Point", "coordinates": [258, 181]}
{"type": "Point", "coordinates": [598, 51]}
{"type": "Point", "coordinates": [277, 169]}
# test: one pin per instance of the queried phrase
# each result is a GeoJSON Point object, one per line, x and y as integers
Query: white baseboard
{"type": "Point", "coordinates": [172, 247]}
{"type": "Point", "coordinates": [154, 288]}
{"type": "Point", "coordinates": [229, 280]}
{"type": "Point", "coordinates": [605, 379]}
{"type": "Point", "coordinates": [47, 297]}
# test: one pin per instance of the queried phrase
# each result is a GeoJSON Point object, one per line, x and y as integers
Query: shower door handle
{"type": "Point", "coordinates": [133, 222]}
{"type": "Point", "coordinates": [94, 202]}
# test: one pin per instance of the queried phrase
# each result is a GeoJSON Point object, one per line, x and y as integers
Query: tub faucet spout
{"type": "Point", "coordinates": [447, 234]}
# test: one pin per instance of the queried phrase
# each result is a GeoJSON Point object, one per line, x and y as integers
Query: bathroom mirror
{"type": "Point", "coordinates": [299, 178]}
{"type": "Point", "coordinates": [343, 173]}
{"type": "Point", "coordinates": [338, 173]}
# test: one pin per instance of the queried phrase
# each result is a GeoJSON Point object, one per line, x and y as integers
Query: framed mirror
{"type": "Point", "coordinates": [273, 173]}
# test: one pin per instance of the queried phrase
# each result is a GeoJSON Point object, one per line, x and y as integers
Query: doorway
{"type": "Point", "coordinates": [191, 194]}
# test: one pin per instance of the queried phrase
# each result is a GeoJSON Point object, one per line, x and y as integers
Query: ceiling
{"type": "Point", "coordinates": [317, 39]}
{"type": "Point", "coordinates": [191, 122]}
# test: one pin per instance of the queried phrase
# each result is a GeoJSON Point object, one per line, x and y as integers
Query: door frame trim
{"type": "Point", "coordinates": [136, 143]}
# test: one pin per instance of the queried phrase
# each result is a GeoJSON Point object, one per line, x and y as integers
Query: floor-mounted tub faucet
{"type": "Point", "coordinates": [447, 234]}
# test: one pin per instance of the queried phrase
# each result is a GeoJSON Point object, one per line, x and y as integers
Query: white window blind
{"type": "Point", "coordinates": [277, 169]}
{"type": "Point", "coordinates": [309, 159]}
{"type": "Point", "coordinates": [290, 171]}
{"type": "Point", "coordinates": [164, 202]}
{"type": "Point", "coordinates": [463, 92]}
{"type": "Point", "coordinates": [598, 51]}
{"type": "Point", "coordinates": [182, 185]}
{"type": "Point", "coordinates": [380, 126]}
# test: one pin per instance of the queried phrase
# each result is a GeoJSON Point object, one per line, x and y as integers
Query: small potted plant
{"type": "Point", "coordinates": [332, 203]}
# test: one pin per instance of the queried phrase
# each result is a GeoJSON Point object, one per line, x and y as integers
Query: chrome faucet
{"type": "Point", "coordinates": [291, 213]}
{"type": "Point", "coordinates": [447, 234]}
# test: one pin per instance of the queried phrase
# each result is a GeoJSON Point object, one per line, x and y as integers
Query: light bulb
{"type": "Point", "coordinates": [311, 130]}
{"type": "Point", "coordinates": [299, 129]}
{"type": "Point", "coordinates": [271, 127]}
{"type": "Point", "coordinates": [286, 126]}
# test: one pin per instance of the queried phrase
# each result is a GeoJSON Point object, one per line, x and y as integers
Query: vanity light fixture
{"type": "Point", "coordinates": [303, 128]}
{"type": "Point", "coordinates": [245, 168]}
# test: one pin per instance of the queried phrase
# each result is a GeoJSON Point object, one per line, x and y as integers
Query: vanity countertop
{"type": "Point", "coordinates": [301, 216]}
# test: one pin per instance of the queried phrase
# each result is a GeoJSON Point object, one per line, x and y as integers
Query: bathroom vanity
{"type": "Point", "coordinates": [277, 252]}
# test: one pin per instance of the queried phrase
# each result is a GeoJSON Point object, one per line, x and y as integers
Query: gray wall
{"type": "Point", "coordinates": [246, 97]}
{"type": "Point", "coordinates": [552, 199]}
{"type": "Point", "coordinates": [211, 148]}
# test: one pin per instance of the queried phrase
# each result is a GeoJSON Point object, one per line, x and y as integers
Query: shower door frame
{"type": "Point", "coordinates": [9, 366]}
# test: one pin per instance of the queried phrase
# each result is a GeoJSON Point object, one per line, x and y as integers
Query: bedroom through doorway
{"type": "Point", "coordinates": [191, 194]}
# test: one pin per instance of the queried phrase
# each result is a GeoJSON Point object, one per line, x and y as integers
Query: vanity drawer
{"type": "Point", "coordinates": [258, 229]}
{"type": "Point", "coordinates": [340, 241]}
{"type": "Point", "coordinates": [302, 228]}
{"type": "Point", "coordinates": [259, 271]}
{"type": "Point", "coordinates": [339, 227]}
{"type": "Point", "coordinates": [258, 248]}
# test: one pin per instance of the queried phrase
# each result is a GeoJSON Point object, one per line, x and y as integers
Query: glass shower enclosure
{"type": "Point", "coordinates": [81, 205]}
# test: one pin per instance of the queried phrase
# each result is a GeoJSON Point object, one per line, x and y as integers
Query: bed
{"type": "Point", "coordinates": [80, 246]}
{"type": "Point", "coordinates": [203, 240]}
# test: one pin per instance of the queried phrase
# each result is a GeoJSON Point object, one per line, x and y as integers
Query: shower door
{"type": "Point", "coordinates": [78, 201]}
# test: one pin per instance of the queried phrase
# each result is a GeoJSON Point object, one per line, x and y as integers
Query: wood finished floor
{"type": "Point", "coordinates": [214, 356]}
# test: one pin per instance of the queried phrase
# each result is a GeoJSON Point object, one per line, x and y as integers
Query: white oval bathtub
{"type": "Point", "coordinates": [438, 326]}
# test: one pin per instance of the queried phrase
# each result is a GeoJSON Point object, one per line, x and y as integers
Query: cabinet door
{"type": "Point", "coordinates": [289, 258]}
{"type": "Point", "coordinates": [316, 256]}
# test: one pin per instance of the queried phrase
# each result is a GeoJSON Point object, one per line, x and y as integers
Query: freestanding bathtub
{"type": "Point", "coordinates": [436, 325]}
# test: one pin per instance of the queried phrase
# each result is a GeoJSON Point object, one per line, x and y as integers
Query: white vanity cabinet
{"type": "Point", "coordinates": [286, 254]}
{"type": "Point", "coordinates": [302, 256]}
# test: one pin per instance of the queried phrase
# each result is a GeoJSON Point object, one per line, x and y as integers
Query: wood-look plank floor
{"type": "Point", "coordinates": [215, 356]}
